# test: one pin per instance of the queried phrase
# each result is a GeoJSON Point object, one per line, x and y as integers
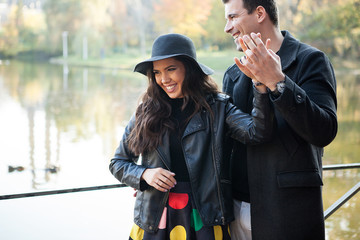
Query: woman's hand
{"type": "Point", "coordinates": [159, 178]}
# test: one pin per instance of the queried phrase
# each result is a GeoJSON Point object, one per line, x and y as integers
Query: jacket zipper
{"type": "Point", "coordinates": [192, 189]}
{"type": "Point", "coordinates": [168, 192]}
{"type": "Point", "coordinates": [216, 172]}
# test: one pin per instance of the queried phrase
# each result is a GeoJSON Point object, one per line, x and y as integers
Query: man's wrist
{"type": "Point", "coordinates": [279, 89]}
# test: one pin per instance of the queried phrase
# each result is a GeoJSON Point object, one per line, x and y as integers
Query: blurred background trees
{"type": "Point", "coordinates": [96, 28]}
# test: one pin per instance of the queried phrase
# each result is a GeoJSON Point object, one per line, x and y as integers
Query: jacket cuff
{"type": "Point", "coordinates": [143, 185]}
{"type": "Point", "coordinates": [259, 97]}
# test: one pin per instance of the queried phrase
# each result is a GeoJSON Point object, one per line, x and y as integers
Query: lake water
{"type": "Point", "coordinates": [59, 127]}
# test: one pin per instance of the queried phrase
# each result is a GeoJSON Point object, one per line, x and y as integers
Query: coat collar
{"type": "Point", "coordinates": [233, 72]}
{"type": "Point", "coordinates": [195, 124]}
{"type": "Point", "coordinates": [288, 50]}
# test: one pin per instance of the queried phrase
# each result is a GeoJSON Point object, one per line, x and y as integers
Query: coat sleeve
{"type": "Point", "coordinates": [309, 105]}
{"type": "Point", "coordinates": [255, 128]}
{"type": "Point", "coordinates": [123, 165]}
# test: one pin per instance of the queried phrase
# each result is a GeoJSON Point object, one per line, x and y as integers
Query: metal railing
{"type": "Point", "coordinates": [53, 192]}
{"type": "Point", "coordinates": [347, 196]}
{"type": "Point", "coordinates": [333, 208]}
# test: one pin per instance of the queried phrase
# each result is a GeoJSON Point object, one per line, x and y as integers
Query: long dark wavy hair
{"type": "Point", "coordinates": [153, 113]}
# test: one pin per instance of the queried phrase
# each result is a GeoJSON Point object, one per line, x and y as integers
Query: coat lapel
{"type": "Point", "coordinates": [195, 124]}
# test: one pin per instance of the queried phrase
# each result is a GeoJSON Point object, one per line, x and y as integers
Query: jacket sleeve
{"type": "Point", "coordinates": [309, 105]}
{"type": "Point", "coordinates": [123, 165]}
{"type": "Point", "coordinates": [255, 128]}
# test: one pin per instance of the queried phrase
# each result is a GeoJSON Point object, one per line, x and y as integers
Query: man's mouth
{"type": "Point", "coordinates": [235, 36]}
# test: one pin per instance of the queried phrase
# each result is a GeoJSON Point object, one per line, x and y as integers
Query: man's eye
{"type": "Point", "coordinates": [172, 69]}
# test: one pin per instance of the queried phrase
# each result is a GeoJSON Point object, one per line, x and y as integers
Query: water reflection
{"type": "Point", "coordinates": [58, 107]}
{"type": "Point", "coordinates": [60, 125]}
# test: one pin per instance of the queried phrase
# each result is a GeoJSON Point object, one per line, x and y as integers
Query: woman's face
{"type": "Point", "coordinates": [169, 75]}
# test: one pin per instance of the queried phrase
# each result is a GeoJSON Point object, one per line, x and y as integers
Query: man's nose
{"type": "Point", "coordinates": [228, 27]}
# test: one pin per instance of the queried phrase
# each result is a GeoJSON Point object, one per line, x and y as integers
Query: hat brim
{"type": "Point", "coordinates": [143, 66]}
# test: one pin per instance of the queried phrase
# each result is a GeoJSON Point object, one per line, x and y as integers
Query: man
{"type": "Point", "coordinates": [280, 181]}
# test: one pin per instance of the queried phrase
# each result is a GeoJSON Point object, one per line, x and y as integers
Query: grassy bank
{"type": "Point", "coordinates": [219, 61]}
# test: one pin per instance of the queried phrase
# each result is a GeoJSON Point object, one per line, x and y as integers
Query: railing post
{"type": "Point", "coordinates": [341, 201]}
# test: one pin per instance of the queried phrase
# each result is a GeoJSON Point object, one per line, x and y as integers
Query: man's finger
{"type": "Point", "coordinates": [242, 67]}
{"type": "Point", "coordinates": [238, 62]}
{"type": "Point", "coordinates": [259, 43]}
{"type": "Point", "coordinates": [268, 41]}
{"type": "Point", "coordinates": [249, 42]}
{"type": "Point", "coordinates": [242, 44]}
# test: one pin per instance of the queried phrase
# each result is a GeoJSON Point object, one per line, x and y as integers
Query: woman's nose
{"type": "Point", "coordinates": [165, 78]}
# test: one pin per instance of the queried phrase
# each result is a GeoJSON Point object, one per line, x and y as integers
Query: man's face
{"type": "Point", "coordinates": [238, 21]}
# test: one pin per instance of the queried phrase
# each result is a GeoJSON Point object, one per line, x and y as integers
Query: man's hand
{"type": "Point", "coordinates": [159, 178]}
{"type": "Point", "coordinates": [260, 64]}
{"type": "Point", "coordinates": [240, 63]}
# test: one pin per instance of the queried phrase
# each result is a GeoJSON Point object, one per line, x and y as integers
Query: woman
{"type": "Point", "coordinates": [179, 130]}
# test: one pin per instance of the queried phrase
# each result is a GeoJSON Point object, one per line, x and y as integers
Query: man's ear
{"type": "Point", "coordinates": [261, 14]}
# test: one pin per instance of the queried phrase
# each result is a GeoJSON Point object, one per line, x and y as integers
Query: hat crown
{"type": "Point", "coordinates": [171, 44]}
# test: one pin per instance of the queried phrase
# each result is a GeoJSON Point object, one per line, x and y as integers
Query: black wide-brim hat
{"type": "Point", "coordinates": [171, 45]}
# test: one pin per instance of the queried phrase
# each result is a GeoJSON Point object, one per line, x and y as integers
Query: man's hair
{"type": "Point", "coordinates": [269, 5]}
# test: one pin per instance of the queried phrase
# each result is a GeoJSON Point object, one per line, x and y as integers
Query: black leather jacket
{"type": "Point", "coordinates": [209, 169]}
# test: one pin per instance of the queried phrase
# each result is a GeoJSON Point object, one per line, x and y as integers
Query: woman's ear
{"type": "Point", "coordinates": [260, 14]}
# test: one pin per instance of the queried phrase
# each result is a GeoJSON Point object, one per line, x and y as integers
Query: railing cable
{"type": "Point", "coordinates": [341, 166]}
{"type": "Point", "coordinates": [83, 189]}
{"type": "Point", "coordinates": [341, 201]}
{"type": "Point", "coordinates": [52, 192]}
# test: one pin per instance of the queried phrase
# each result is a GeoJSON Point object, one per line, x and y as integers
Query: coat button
{"type": "Point", "coordinates": [298, 98]}
{"type": "Point", "coordinates": [150, 227]}
{"type": "Point", "coordinates": [216, 220]}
